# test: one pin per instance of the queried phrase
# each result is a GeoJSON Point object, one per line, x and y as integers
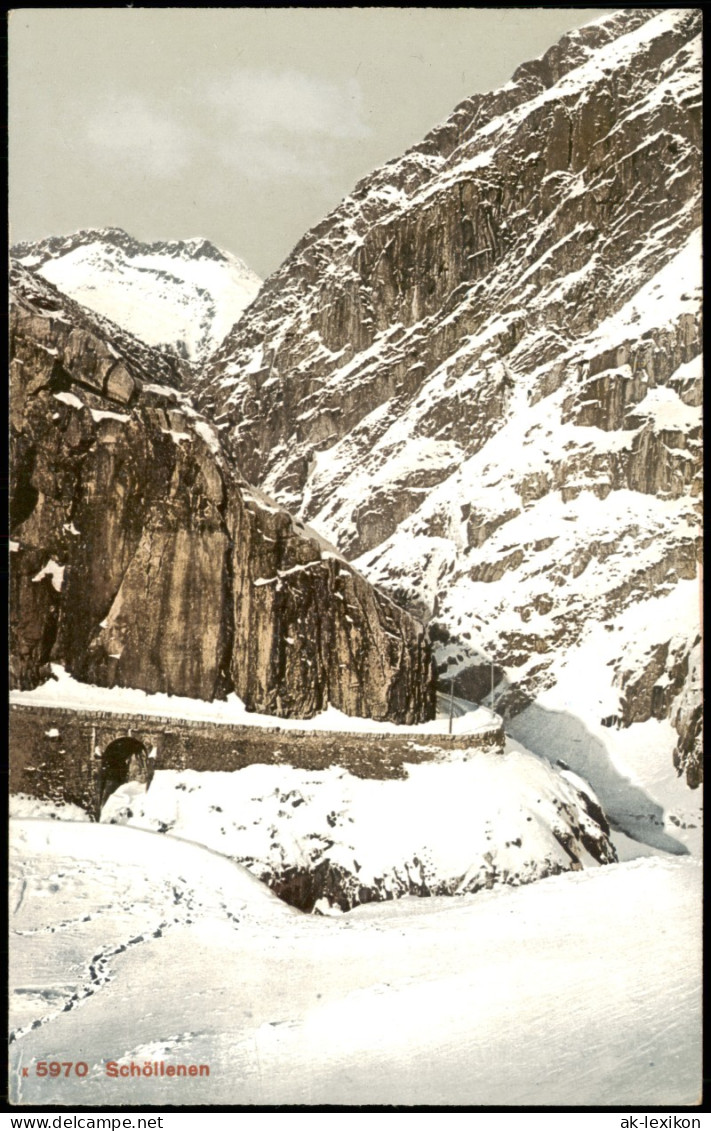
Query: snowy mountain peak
{"type": "Point", "coordinates": [195, 247]}
{"type": "Point", "coordinates": [181, 296]}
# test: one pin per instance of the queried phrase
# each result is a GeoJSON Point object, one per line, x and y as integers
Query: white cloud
{"type": "Point", "coordinates": [263, 102]}
{"type": "Point", "coordinates": [129, 129]}
{"type": "Point", "coordinates": [266, 124]}
{"type": "Point", "coordinates": [284, 123]}
{"type": "Point", "coordinates": [264, 159]}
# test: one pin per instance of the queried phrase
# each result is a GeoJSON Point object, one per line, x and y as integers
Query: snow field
{"type": "Point", "coordinates": [581, 989]}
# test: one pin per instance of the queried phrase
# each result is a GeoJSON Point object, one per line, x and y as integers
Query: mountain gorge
{"type": "Point", "coordinates": [480, 377]}
{"type": "Point", "coordinates": [355, 616]}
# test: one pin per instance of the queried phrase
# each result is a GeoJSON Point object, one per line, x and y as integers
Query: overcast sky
{"type": "Point", "coordinates": [243, 125]}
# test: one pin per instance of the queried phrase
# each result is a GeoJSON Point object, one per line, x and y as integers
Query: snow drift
{"type": "Point", "coordinates": [329, 840]}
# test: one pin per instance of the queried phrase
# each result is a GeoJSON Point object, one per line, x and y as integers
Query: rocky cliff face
{"type": "Point", "coordinates": [480, 377]}
{"type": "Point", "coordinates": [142, 559]}
{"type": "Point", "coordinates": [181, 296]}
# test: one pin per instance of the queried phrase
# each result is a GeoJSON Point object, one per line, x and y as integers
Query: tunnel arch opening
{"type": "Point", "coordinates": [125, 759]}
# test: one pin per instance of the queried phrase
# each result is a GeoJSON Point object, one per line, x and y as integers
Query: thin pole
{"type": "Point", "coordinates": [95, 781]}
{"type": "Point", "coordinates": [451, 703]}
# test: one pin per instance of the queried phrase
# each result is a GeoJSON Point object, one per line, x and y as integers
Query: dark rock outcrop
{"type": "Point", "coordinates": [142, 559]}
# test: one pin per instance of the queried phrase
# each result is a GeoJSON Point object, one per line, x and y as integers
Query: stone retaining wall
{"type": "Point", "coordinates": [56, 752]}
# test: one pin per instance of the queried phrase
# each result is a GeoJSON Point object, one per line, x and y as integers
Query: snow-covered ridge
{"type": "Point", "coordinates": [183, 295]}
{"type": "Point", "coordinates": [149, 365]}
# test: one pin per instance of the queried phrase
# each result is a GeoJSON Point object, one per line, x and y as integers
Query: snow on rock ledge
{"type": "Point", "coordinates": [327, 840]}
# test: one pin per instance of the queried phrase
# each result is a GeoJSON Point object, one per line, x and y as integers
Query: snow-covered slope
{"type": "Point", "coordinates": [179, 295]}
{"type": "Point", "coordinates": [583, 989]}
{"type": "Point", "coordinates": [330, 839]}
{"type": "Point", "coordinates": [480, 377]}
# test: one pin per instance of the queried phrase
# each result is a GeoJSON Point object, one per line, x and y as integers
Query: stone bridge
{"type": "Point", "coordinates": [67, 755]}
